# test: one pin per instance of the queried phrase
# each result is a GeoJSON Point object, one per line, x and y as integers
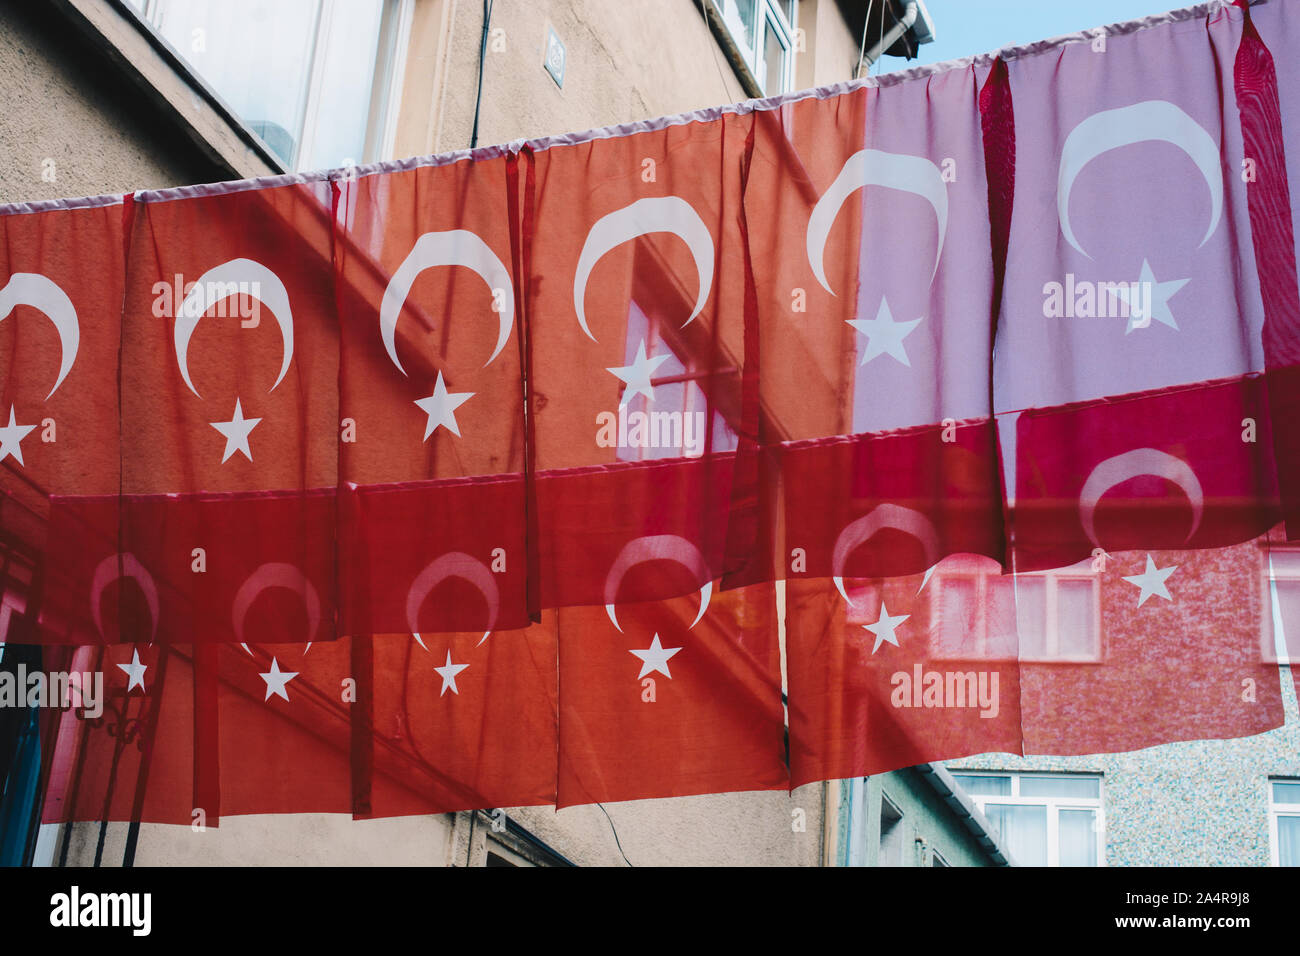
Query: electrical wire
{"type": "Point", "coordinates": [482, 57]}
{"type": "Point", "coordinates": [880, 38]}
{"type": "Point", "coordinates": [726, 92]}
{"type": "Point", "coordinates": [615, 832]}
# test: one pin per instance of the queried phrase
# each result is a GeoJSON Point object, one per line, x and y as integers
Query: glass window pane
{"type": "Point", "coordinates": [1077, 833]}
{"type": "Point", "coordinates": [954, 632]}
{"type": "Point", "coordinates": [745, 11]}
{"type": "Point", "coordinates": [1288, 841]}
{"type": "Point", "coordinates": [351, 47]}
{"type": "Point", "coordinates": [724, 438]}
{"type": "Point", "coordinates": [774, 55]}
{"type": "Point", "coordinates": [255, 53]}
{"type": "Point", "coordinates": [1087, 787]}
{"type": "Point", "coordinates": [1286, 564]}
{"type": "Point", "coordinates": [985, 785]}
{"type": "Point", "coordinates": [1031, 616]}
{"type": "Point", "coordinates": [1023, 829]}
{"type": "Point", "coordinates": [1285, 792]}
{"type": "Point", "coordinates": [1288, 606]}
{"type": "Point", "coordinates": [1076, 619]}
{"type": "Point", "coordinates": [1003, 631]}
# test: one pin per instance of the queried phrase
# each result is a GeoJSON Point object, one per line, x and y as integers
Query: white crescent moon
{"type": "Point", "coordinates": [455, 247]}
{"type": "Point", "coordinates": [106, 572]}
{"type": "Point", "coordinates": [1150, 120]}
{"type": "Point", "coordinates": [874, 167]}
{"type": "Point", "coordinates": [34, 289]}
{"type": "Point", "coordinates": [232, 278]}
{"type": "Point", "coordinates": [454, 564]}
{"type": "Point", "coordinates": [276, 574]}
{"type": "Point", "coordinates": [877, 519]}
{"type": "Point", "coordinates": [1132, 464]}
{"type": "Point", "coordinates": [651, 548]}
{"type": "Point", "coordinates": [655, 214]}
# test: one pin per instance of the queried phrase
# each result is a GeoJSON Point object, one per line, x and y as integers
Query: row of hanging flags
{"type": "Point", "coordinates": [946, 413]}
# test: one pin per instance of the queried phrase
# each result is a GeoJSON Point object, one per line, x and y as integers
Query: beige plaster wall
{"type": "Point", "coordinates": [61, 104]}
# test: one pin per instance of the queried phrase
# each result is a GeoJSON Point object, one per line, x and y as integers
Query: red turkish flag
{"type": "Point", "coordinates": [672, 697]}
{"type": "Point", "coordinates": [1166, 469]}
{"type": "Point", "coordinates": [432, 390]}
{"type": "Point", "coordinates": [1177, 637]}
{"type": "Point", "coordinates": [228, 301]}
{"type": "Point", "coordinates": [642, 370]}
{"type": "Point", "coordinates": [60, 321]}
{"type": "Point", "coordinates": [135, 759]}
{"type": "Point", "coordinates": [641, 339]}
{"type": "Point", "coordinates": [1138, 424]}
{"type": "Point", "coordinates": [891, 672]}
{"type": "Point", "coordinates": [1131, 351]}
{"type": "Point", "coordinates": [913, 496]}
{"type": "Point", "coordinates": [876, 352]}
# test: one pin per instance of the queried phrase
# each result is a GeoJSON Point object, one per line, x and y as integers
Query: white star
{"type": "Point", "coordinates": [448, 674]}
{"type": "Point", "coordinates": [236, 431]}
{"type": "Point", "coordinates": [11, 436]}
{"type": "Point", "coordinates": [884, 335]}
{"type": "Point", "coordinates": [1152, 581]}
{"type": "Point", "coordinates": [637, 375]}
{"type": "Point", "coordinates": [279, 679]}
{"type": "Point", "coordinates": [1160, 292]}
{"type": "Point", "coordinates": [441, 408]}
{"type": "Point", "coordinates": [135, 670]}
{"type": "Point", "coordinates": [884, 628]}
{"type": "Point", "coordinates": [655, 658]}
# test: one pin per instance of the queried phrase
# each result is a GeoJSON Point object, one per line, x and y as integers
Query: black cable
{"type": "Point", "coordinates": [482, 56]}
{"type": "Point", "coordinates": [615, 832]}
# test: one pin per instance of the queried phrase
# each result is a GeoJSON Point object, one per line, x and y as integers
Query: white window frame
{"type": "Point", "coordinates": [1052, 639]}
{"type": "Point", "coordinates": [694, 398]}
{"type": "Point", "coordinates": [1271, 649]}
{"type": "Point", "coordinates": [1276, 810]}
{"type": "Point", "coordinates": [1054, 805]}
{"type": "Point", "coordinates": [386, 88]}
{"type": "Point", "coordinates": [765, 11]}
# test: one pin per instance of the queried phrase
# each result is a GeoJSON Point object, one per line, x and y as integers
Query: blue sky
{"type": "Point", "coordinates": [966, 27]}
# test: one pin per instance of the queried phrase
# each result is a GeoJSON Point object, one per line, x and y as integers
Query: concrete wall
{"type": "Point", "coordinates": [928, 825]}
{"type": "Point", "coordinates": [832, 51]}
{"type": "Point", "coordinates": [625, 62]}
{"type": "Point", "coordinates": [62, 104]}
{"type": "Point", "coordinates": [742, 829]}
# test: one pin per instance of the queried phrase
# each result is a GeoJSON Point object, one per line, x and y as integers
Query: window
{"type": "Point", "coordinates": [891, 834]}
{"type": "Point", "coordinates": [502, 856]}
{"type": "Point", "coordinates": [507, 844]}
{"type": "Point", "coordinates": [315, 79]}
{"type": "Point", "coordinates": [976, 611]}
{"type": "Point", "coordinates": [1284, 821]}
{"type": "Point", "coordinates": [763, 32]}
{"type": "Point", "coordinates": [1280, 636]}
{"type": "Point", "coordinates": [1044, 819]}
{"type": "Point", "coordinates": [678, 413]}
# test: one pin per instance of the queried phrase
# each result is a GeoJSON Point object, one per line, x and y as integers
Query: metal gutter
{"type": "Point", "coordinates": [950, 790]}
{"type": "Point", "coordinates": [914, 13]}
